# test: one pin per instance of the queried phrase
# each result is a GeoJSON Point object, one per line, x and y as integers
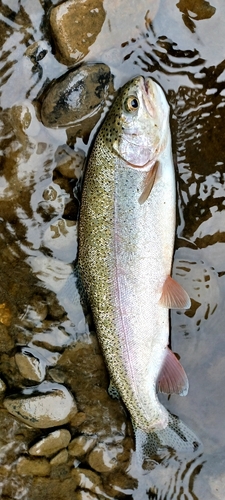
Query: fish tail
{"type": "Point", "coordinates": [174, 439]}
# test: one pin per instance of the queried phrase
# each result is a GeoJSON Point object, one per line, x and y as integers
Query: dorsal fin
{"type": "Point", "coordinates": [172, 377]}
{"type": "Point", "coordinates": [174, 296]}
{"type": "Point", "coordinates": [148, 183]}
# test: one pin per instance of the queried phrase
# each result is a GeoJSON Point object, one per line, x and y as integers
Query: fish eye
{"type": "Point", "coordinates": [131, 103]}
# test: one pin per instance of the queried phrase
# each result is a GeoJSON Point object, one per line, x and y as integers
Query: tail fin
{"type": "Point", "coordinates": [152, 447]}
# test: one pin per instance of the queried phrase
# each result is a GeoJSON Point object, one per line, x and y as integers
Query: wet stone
{"type": "Point", "coordinates": [81, 445]}
{"type": "Point", "coordinates": [29, 467]}
{"type": "Point", "coordinates": [60, 458]}
{"type": "Point", "coordinates": [81, 17]}
{"type": "Point", "coordinates": [78, 95]}
{"type": "Point", "coordinates": [70, 163]}
{"type": "Point", "coordinates": [51, 444]}
{"type": "Point", "coordinates": [87, 479]}
{"type": "Point", "coordinates": [30, 366]}
{"type": "Point", "coordinates": [36, 311]}
{"type": "Point", "coordinates": [104, 458]}
{"type": "Point", "coordinates": [43, 406]}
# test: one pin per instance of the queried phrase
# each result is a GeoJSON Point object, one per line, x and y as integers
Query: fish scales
{"type": "Point", "coordinates": [126, 248]}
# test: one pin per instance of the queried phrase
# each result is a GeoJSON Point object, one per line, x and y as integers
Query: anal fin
{"type": "Point", "coordinates": [172, 378]}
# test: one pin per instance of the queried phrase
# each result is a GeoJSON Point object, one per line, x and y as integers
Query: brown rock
{"type": "Point", "coordinates": [52, 443]}
{"type": "Point", "coordinates": [60, 458]}
{"type": "Point", "coordinates": [78, 95]}
{"type": "Point", "coordinates": [81, 445]}
{"type": "Point", "coordinates": [75, 26]}
{"type": "Point", "coordinates": [104, 458]}
{"type": "Point", "coordinates": [29, 467]}
{"type": "Point", "coordinates": [87, 479]}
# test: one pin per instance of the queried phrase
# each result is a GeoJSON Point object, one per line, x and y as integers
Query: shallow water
{"type": "Point", "coordinates": [40, 311]}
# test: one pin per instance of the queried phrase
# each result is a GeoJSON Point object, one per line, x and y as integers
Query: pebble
{"type": "Point", "coordinates": [29, 467]}
{"type": "Point", "coordinates": [51, 444]}
{"type": "Point", "coordinates": [86, 479]}
{"type": "Point", "coordinates": [60, 458]}
{"type": "Point", "coordinates": [81, 17]}
{"type": "Point", "coordinates": [104, 458]}
{"type": "Point", "coordinates": [78, 95]}
{"type": "Point", "coordinates": [30, 367]}
{"type": "Point", "coordinates": [43, 406]}
{"type": "Point", "coordinates": [81, 445]}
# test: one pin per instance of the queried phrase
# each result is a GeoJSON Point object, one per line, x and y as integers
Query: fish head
{"type": "Point", "coordinates": [140, 123]}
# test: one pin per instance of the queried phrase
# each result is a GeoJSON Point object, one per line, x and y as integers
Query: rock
{"type": "Point", "coordinates": [52, 443]}
{"type": "Point", "coordinates": [30, 366]}
{"type": "Point", "coordinates": [36, 311]}
{"type": "Point", "coordinates": [70, 163]}
{"type": "Point", "coordinates": [29, 467]}
{"type": "Point", "coordinates": [78, 95]}
{"type": "Point", "coordinates": [2, 386]}
{"type": "Point", "coordinates": [104, 458]}
{"type": "Point", "coordinates": [60, 458]}
{"type": "Point", "coordinates": [75, 26]}
{"type": "Point", "coordinates": [81, 445]}
{"type": "Point", "coordinates": [87, 479]}
{"type": "Point", "coordinates": [43, 406]}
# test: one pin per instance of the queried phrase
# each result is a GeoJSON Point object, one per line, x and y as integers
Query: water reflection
{"type": "Point", "coordinates": [41, 318]}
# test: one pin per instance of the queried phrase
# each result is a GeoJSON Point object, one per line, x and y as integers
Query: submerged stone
{"type": "Point", "coordinates": [60, 458]}
{"type": "Point", "coordinates": [51, 444]}
{"type": "Point", "coordinates": [78, 95]}
{"type": "Point", "coordinates": [29, 467]}
{"type": "Point", "coordinates": [75, 26]}
{"type": "Point", "coordinates": [43, 406]}
{"type": "Point", "coordinates": [81, 445]}
{"type": "Point", "coordinates": [30, 367]}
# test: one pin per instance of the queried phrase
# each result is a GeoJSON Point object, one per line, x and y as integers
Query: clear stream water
{"type": "Point", "coordinates": [183, 49]}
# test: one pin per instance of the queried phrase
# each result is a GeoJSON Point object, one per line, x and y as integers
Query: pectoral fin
{"type": "Point", "coordinates": [174, 296]}
{"type": "Point", "coordinates": [172, 378]}
{"type": "Point", "coordinates": [149, 183]}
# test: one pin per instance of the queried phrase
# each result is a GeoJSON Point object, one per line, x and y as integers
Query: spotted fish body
{"type": "Point", "coordinates": [126, 238]}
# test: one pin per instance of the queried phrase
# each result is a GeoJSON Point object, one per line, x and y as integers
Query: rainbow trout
{"type": "Point", "coordinates": [126, 240]}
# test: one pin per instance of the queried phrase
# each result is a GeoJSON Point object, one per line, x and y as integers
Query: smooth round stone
{"type": "Point", "coordinates": [51, 444]}
{"type": "Point", "coordinates": [43, 406]}
{"type": "Point", "coordinates": [81, 445]}
{"type": "Point", "coordinates": [60, 458]}
{"type": "Point", "coordinates": [30, 367]}
{"type": "Point", "coordinates": [75, 26]}
{"type": "Point", "coordinates": [76, 96]}
{"type": "Point", "coordinates": [29, 467]}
